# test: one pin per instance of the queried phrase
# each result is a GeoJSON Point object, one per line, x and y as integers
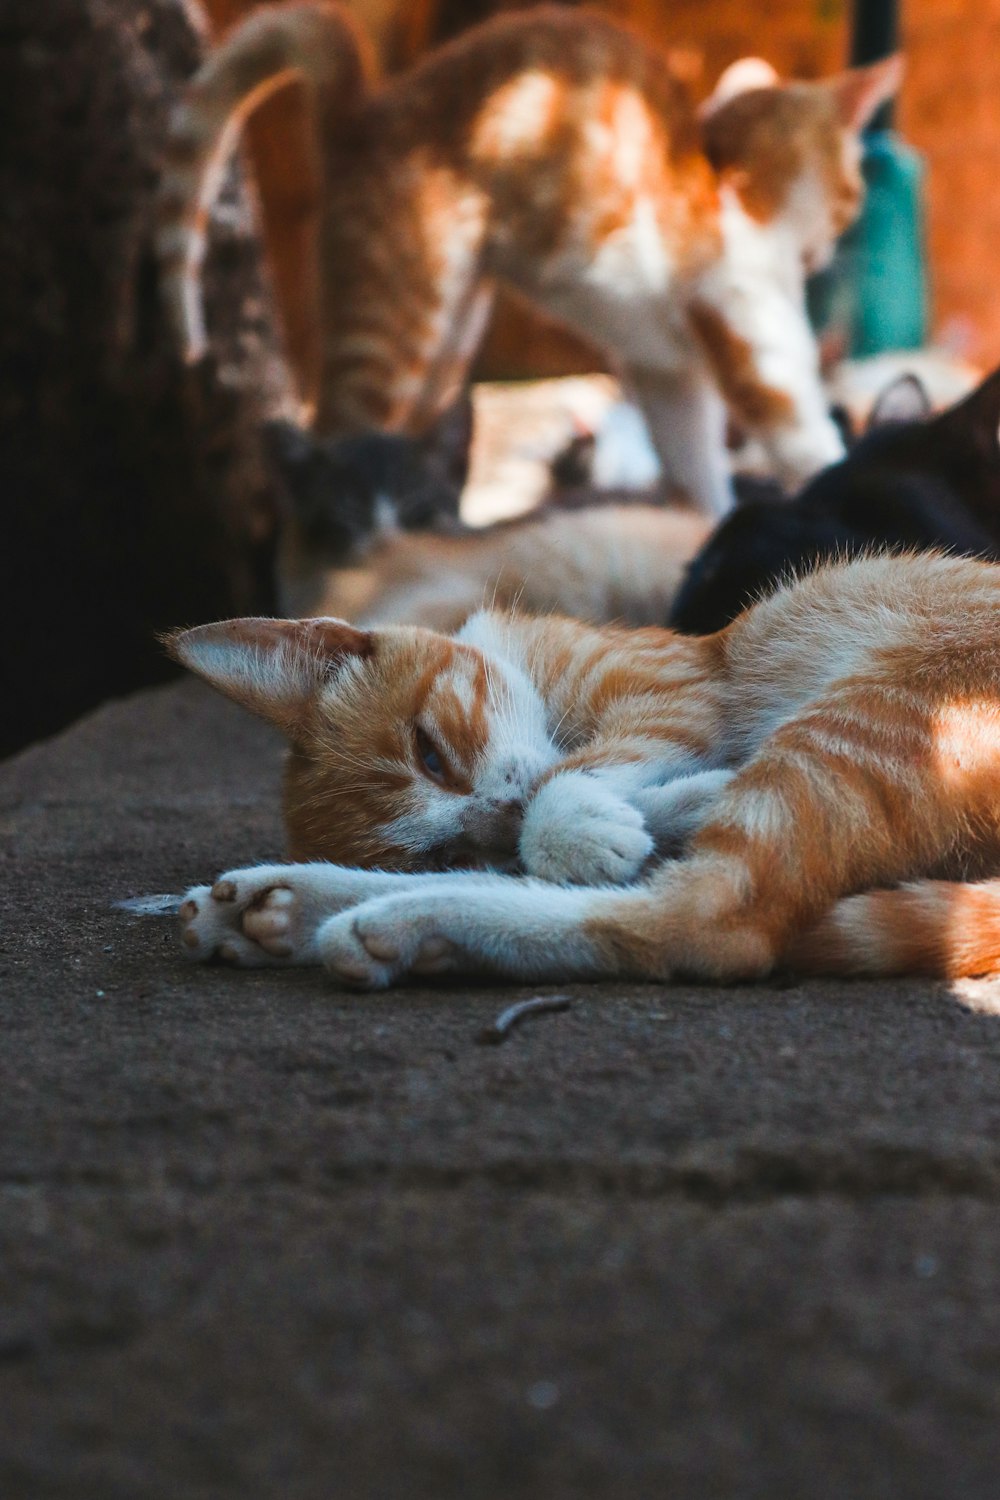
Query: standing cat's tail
{"type": "Point", "coordinates": [316, 41]}
{"type": "Point", "coordinates": [943, 929]}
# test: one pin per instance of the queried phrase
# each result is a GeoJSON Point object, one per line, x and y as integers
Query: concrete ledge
{"type": "Point", "coordinates": [258, 1239]}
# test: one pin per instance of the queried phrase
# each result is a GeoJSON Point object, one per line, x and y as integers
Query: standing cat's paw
{"type": "Point", "coordinates": [251, 918]}
{"type": "Point", "coordinates": [802, 451]}
{"type": "Point", "coordinates": [576, 831]}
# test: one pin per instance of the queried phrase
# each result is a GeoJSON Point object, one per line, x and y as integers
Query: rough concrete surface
{"type": "Point", "coordinates": [258, 1239]}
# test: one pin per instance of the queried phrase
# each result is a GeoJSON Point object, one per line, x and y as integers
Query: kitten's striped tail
{"type": "Point", "coordinates": [320, 42]}
{"type": "Point", "coordinates": [939, 928]}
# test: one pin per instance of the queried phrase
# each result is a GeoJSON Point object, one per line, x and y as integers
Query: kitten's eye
{"type": "Point", "coordinates": [430, 756]}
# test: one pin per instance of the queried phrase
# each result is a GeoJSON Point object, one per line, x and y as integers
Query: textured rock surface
{"type": "Point", "coordinates": [134, 493]}
{"type": "Point", "coordinates": [259, 1239]}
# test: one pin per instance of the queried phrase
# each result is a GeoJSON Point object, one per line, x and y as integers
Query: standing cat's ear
{"type": "Point", "coordinates": [905, 399]}
{"type": "Point", "coordinates": [859, 92]}
{"type": "Point", "coordinates": [739, 78]}
{"type": "Point", "coordinates": [272, 667]}
{"type": "Point", "coordinates": [975, 420]}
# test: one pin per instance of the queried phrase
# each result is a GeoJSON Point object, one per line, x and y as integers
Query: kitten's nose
{"type": "Point", "coordinates": [506, 817]}
{"type": "Point", "coordinates": [509, 815]}
{"type": "Point", "coordinates": [494, 825]}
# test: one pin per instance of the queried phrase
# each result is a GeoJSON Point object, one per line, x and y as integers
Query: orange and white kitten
{"type": "Point", "coordinates": [553, 150]}
{"type": "Point", "coordinates": [799, 789]}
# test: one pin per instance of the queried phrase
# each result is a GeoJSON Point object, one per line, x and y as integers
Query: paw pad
{"type": "Point", "coordinates": [380, 946]}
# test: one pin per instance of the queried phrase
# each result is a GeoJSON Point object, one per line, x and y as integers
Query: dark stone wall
{"type": "Point", "coordinates": [134, 492]}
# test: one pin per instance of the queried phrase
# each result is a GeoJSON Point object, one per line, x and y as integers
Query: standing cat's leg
{"type": "Point", "coordinates": [401, 376]}
{"type": "Point", "coordinates": [764, 359]}
{"type": "Point", "coordinates": [406, 298]}
{"type": "Point", "coordinates": [686, 418]}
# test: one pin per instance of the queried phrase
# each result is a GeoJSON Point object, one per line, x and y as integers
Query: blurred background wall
{"type": "Point", "coordinates": [950, 110]}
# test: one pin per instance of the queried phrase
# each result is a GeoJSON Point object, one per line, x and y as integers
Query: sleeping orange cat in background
{"type": "Point", "coordinates": [636, 803]}
{"type": "Point", "coordinates": [554, 150]}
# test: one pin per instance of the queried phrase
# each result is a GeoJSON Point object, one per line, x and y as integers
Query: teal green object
{"type": "Point", "coordinates": [875, 293]}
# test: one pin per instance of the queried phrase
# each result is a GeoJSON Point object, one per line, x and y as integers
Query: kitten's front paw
{"type": "Point", "coordinates": [250, 918]}
{"type": "Point", "coordinates": [577, 831]}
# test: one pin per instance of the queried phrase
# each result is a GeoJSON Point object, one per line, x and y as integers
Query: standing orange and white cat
{"type": "Point", "coordinates": [555, 151]}
{"type": "Point", "coordinates": [817, 785]}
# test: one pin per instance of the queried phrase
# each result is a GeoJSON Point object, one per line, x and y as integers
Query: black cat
{"type": "Point", "coordinates": [345, 492]}
{"type": "Point", "coordinates": [906, 485]}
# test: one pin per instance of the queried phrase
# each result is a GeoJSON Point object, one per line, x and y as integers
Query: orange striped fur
{"type": "Point", "coordinates": [828, 766]}
{"type": "Point", "coordinates": [556, 151]}
{"type": "Point", "coordinates": [608, 562]}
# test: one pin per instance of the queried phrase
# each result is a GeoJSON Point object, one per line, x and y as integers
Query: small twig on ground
{"type": "Point", "coordinates": [501, 1028]}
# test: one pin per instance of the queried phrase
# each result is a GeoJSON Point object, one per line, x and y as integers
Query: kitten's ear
{"type": "Point", "coordinates": [739, 78]}
{"type": "Point", "coordinates": [859, 92]}
{"type": "Point", "coordinates": [905, 399]}
{"type": "Point", "coordinates": [272, 667]}
{"type": "Point", "coordinates": [976, 418]}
